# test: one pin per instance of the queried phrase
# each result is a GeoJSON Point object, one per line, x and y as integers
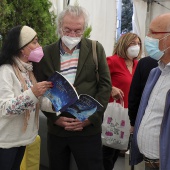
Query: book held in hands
{"type": "Point", "coordinates": [65, 98]}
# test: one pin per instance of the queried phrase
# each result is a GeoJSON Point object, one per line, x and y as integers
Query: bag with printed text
{"type": "Point", "coordinates": [116, 127]}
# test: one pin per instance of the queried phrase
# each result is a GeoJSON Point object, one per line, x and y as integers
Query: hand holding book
{"type": "Point", "coordinates": [65, 98]}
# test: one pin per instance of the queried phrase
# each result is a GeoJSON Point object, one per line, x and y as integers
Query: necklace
{"type": "Point", "coordinates": [129, 64]}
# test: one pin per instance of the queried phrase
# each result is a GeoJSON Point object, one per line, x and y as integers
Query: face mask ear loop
{"type": "Point", "coordinates": [166, 49]}
{"type": "Point", "coordinates": [164, 43]}
{"type": "Point", "coordinates": [164, 37]}
{"type": "Point", "coordinates": [29, 48]}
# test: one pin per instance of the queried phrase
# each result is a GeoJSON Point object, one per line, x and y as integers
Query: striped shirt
{"type": "Point", "coordinates": [69, 64]}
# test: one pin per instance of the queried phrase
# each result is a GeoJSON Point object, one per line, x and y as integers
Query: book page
{"type": "Point", "coordinates": [63, 94]}
{"type": "Point", "coordinates": [84, 107]}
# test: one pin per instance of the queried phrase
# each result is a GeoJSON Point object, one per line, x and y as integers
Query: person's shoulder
{"type": "Point", "coordinates": [6, 70]}
{"type": "Point", "coordinates": [148, 61]}
{"type": "Point", "coordinates": [154, 72]}
{"type": "Point", "coordinates": [50, 46]}
{"type": "Point", "coordinates": [88, 42]}
{"type": "Point", "coordinates": [6, 67]}
{"type": "Point", "coordinates": [114, 58]}
{"type": "Point", "coordinates": [155, 69]}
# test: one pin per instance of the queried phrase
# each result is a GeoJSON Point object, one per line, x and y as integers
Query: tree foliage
{"type": "Point", "coordinates": [127, 12]}
{"type": "Point", "coordinates": [34, 13]}
{"type": "Point", "coordinates": [87, 32]}
{"type": "Point", "coordinates": [28, 12]}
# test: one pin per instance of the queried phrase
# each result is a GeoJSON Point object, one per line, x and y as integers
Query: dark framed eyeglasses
{"type": "Point", "coordinates": [153, 32]}
{"type": "Point", "coordinates": [76, 32]}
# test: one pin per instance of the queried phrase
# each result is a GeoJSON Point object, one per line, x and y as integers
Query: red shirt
{"type": "Point", "coordinates": [120, 75]}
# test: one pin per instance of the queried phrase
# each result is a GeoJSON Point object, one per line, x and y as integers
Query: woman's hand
{"type": "Point", "coordinates": [131, 129]}
{"type": "Point", "coordinates": [40, 88]}
{"type": "Point", "coordinates": [117, 93]}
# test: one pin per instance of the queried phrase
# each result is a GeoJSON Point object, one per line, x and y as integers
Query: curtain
{"type": "Point", "coordinates": [144, 14]}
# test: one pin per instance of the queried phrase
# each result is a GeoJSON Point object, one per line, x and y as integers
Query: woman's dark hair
{"type": "Point", "coordinates": [10, 47]}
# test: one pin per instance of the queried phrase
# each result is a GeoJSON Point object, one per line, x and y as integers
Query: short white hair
{"type": "Point", "coordinates": [75, 11]}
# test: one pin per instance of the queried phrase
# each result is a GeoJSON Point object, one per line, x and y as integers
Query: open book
{"type": "Point", "coordinates": [65, 98]}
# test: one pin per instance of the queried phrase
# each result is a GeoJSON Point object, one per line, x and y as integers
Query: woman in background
{"type": "Point", "coordinates": [122, 65]}
{"type": "Point", "coordinates": [19, 95]}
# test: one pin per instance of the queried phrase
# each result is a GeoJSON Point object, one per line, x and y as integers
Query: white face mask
{"type": "Point", "coordinates": [70, 42]}
{"type": "Point", "coordinates": [133, 51]}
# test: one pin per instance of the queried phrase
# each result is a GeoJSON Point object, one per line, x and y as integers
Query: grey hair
{"type": "Point", "coordinates": [75, 11]}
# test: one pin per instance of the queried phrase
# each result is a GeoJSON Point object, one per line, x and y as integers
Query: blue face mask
{"type": "Point", "coordinates": [152, 47]}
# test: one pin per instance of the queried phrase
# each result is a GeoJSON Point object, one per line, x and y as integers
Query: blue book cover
{"type": "Point", "coordinates": [84, 107]}
{"type": "Point", "coordinates": [65, 98]}
{"type": "Point", "coordinates": [62, 94]}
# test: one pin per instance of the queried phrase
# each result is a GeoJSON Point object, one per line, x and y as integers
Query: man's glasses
{"type": "Point", "coordinates": [76, 32]}
{"type": "Point", "coordinates": [153, 32]}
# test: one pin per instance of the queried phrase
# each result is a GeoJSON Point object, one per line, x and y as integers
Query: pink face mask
{"type": "Point", "coordinates": [36, 55]}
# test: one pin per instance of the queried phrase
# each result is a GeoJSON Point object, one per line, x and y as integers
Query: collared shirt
{"type": "Point", "coordinates": [69, 63]}
{"type": "Point", "coordinates": [149, 130]}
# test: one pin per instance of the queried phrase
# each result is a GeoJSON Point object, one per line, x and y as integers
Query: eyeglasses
{"type": "Point", "coordinates": [76, 32]}
{"type": "Point", "coordinates": [152, 32]}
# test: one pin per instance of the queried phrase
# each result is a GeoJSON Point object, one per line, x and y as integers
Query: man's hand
{"type": "Point", "coordinates": [72, 124]}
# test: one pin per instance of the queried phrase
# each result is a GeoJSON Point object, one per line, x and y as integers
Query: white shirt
{"type": "Point", "coordinates": [149, 130]}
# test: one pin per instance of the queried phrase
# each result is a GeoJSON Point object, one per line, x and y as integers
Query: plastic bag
{"type": "Point", "coordinates": [116, 127]}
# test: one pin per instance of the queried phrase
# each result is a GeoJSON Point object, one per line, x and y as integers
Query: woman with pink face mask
{"type": "Point", "coordinates": [19, 95]}
{"type": "Point", "coordinates": [122, 65]}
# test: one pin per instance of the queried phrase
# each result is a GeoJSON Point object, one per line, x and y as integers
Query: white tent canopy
{"type": "Point", "coordinates": [145, 11]}
{"type": "Point", "coordinates": [102, 18]}
{"type": "Point", "coordinates": [102, 15]}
